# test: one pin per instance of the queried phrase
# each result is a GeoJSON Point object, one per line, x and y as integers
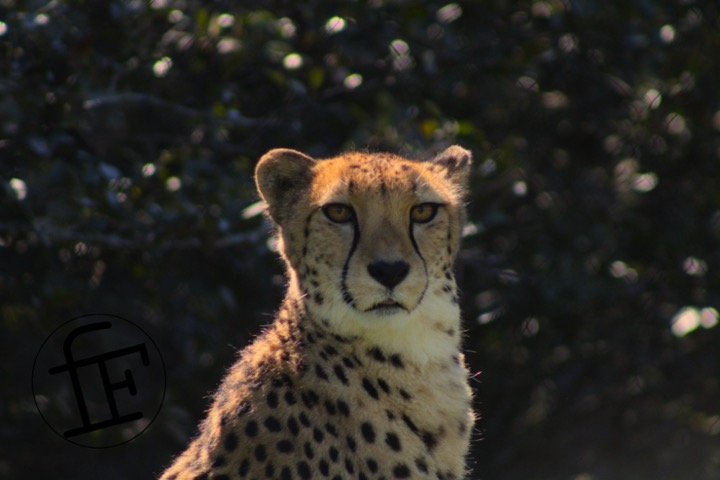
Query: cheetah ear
{"type": "Point", "coordinates": [454, 162]}
{"type": "Point", "coordinates": [281, 177]}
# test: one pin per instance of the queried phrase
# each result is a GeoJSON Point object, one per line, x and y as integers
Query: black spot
{"type": "Point", "coordinates": [401, 471]}
{"type": "Point", "coordinates": [370, 389]}
{"type": "Point", "coordinates": [348, 363]}
{"type": "Point", "coordinates": [260, 453]}
{"type": "Point", "coordinates": [331, 430]}
{"type": "Point", "coordinates": [272, 399]}
{"type": "Point", "coordinates": [410, 424]}
{"type": "Point", "coordinates": [372, 465]}
{"type": "Point", "coordinates": [293, 426]}
{"type": "Point", "coordinates": [269, 470]}
{"type": "Point", "coordinates": [231, 442]}
{"type": "Point", "coordinates": [285, 446]}
{"type": "Point", "coordinates": [349, 466]}
{"type": "Point", "coordinates": [383, 385]}
{"type": "Point", "coordinates": [309, 452]}
{"type": "Point", "coordinates": [318, 298]}
{"type": "Point", "coordinates": [304, 419]}
{"type": "Point", "coordinates": [220, 477]}
{"type": "Point", "coordinates": [290, 398]}
{"type": "Point", "coordinates": [361, 476]}
{"type": "Point", "coordinates": [251, 429]}
{"type": "Point", "coordinates": [390, 415]}
{"type": "Point", "coordinates": [310, 398]}
{"type": "Point", "coordinates": [340, 338]}
{"type": "Point", "coordinates": [286, 474]}
{"type": "Point", "coordinates": [219, 462]}
{"type": "Point", "coordinates": [405, 394]}
{"type": "Point", "coordinates": [330, 350]}
{"type": "Point", "coordinates": [244, 468]}
{"type": "Point", "coordinates": [320, 372]}
{"type": "Point", "coordinates": [324, 467]}
{"type": "Point", "coordinates": [429, 440]}
{"type": "Point", "coordinates": [421, 465]}
{"type": "Point", "coordinates": [318, 435]}
{"type": "Point", "coordinates": [330, 407]}
{"type": "Point", "coordinates": [352, 445]}
{"type": "Point", "coordinates": [377, 354]}
{"type": "Point", "coordinates": [340, 374]}
{"type": "Point", "coordinates": [303, 469]}
{"type": "Point", "coordinates": [272, 424]}
{"type": "Point", "coordinates": [396, 361]}
{"type": "Point", "coordinates": [343, 408]}
{"type": "Point", "coordinates": [368, 432]}
{"type": "Point", "coordinates": [334, 454]}
{"type": "Point", "coordinates": [393, 441]}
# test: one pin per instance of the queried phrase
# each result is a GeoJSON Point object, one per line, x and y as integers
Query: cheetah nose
{"type": "Point", "coordinates": [388, 274]}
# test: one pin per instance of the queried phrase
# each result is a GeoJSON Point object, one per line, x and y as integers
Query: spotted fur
{"type": "Point", "coordinates": [361, 374]}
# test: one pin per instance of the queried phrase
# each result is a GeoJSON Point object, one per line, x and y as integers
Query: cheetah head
{"type": "Point", "coordinates": [369, 239]}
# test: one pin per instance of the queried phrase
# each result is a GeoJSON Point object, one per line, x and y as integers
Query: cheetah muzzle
{"type": "Point", "coordinates": [360, 375]}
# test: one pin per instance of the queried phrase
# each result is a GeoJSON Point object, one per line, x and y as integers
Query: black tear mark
{"type": "Point", "coordinates": [346, 296]}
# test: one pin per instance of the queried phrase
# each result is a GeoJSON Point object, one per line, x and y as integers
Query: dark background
{"type": "Point", "coordinates": [590, 270]}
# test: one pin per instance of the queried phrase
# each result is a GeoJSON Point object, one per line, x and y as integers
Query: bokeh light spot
{"type": "Point", "coordinates": [519, 188]}
{"type": "Point", "coordinates": [173, 184]}
{"type": "Point", "coordinates": [41, 19]}
{"type": "Point", "coordinates": [148, 170]}
{"type": "Point", "coordinates": [353, 81]}
{"type": "Point", "coordinates": [689, 319]}
{"type": "Point", "coordinates": [293, 61]}
{"type": "Point", "coordinates": [286, 27]}
{"type": "Point", "coordinates": [162, 66]}
{"type": "Point", "coordinates": [19, 187]}
{"type": "Point", "coordinates": [652, 99]}
{"type": "Point", "coordinates": [667, 33]}
{"type": "Point", "coordinates": [335, 25]}
{"type": "Point", "coordinates": [449, 13]}
{"type": "Point", "coordinates": [644, 182]}
{"type": "Point", "coordinates": [695, 266]}
{"type": "Point", "coordinates": [226, 20]}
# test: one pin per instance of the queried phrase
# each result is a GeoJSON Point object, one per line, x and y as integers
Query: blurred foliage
{"type": "Point", "coordinates": [128, 135]}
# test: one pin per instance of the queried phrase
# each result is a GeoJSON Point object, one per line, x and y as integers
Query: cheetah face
{"type": "Point", "coordinates": [370, 235]}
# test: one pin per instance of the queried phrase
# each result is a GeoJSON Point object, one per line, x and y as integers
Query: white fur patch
{"type": "Point", "coordinates": [419, 336]}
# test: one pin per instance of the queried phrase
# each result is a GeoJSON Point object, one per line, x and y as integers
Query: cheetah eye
{"type": "Point", "coordinates": [424, 212]}
{"type": "Point", "coordinates": [338, 213]}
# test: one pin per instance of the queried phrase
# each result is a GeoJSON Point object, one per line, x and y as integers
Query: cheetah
{"type": "Point", "coordinates": [360, 375]}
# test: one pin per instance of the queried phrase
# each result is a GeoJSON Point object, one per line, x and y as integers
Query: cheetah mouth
{"type": "Point", "coordinates": [387, 307]}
